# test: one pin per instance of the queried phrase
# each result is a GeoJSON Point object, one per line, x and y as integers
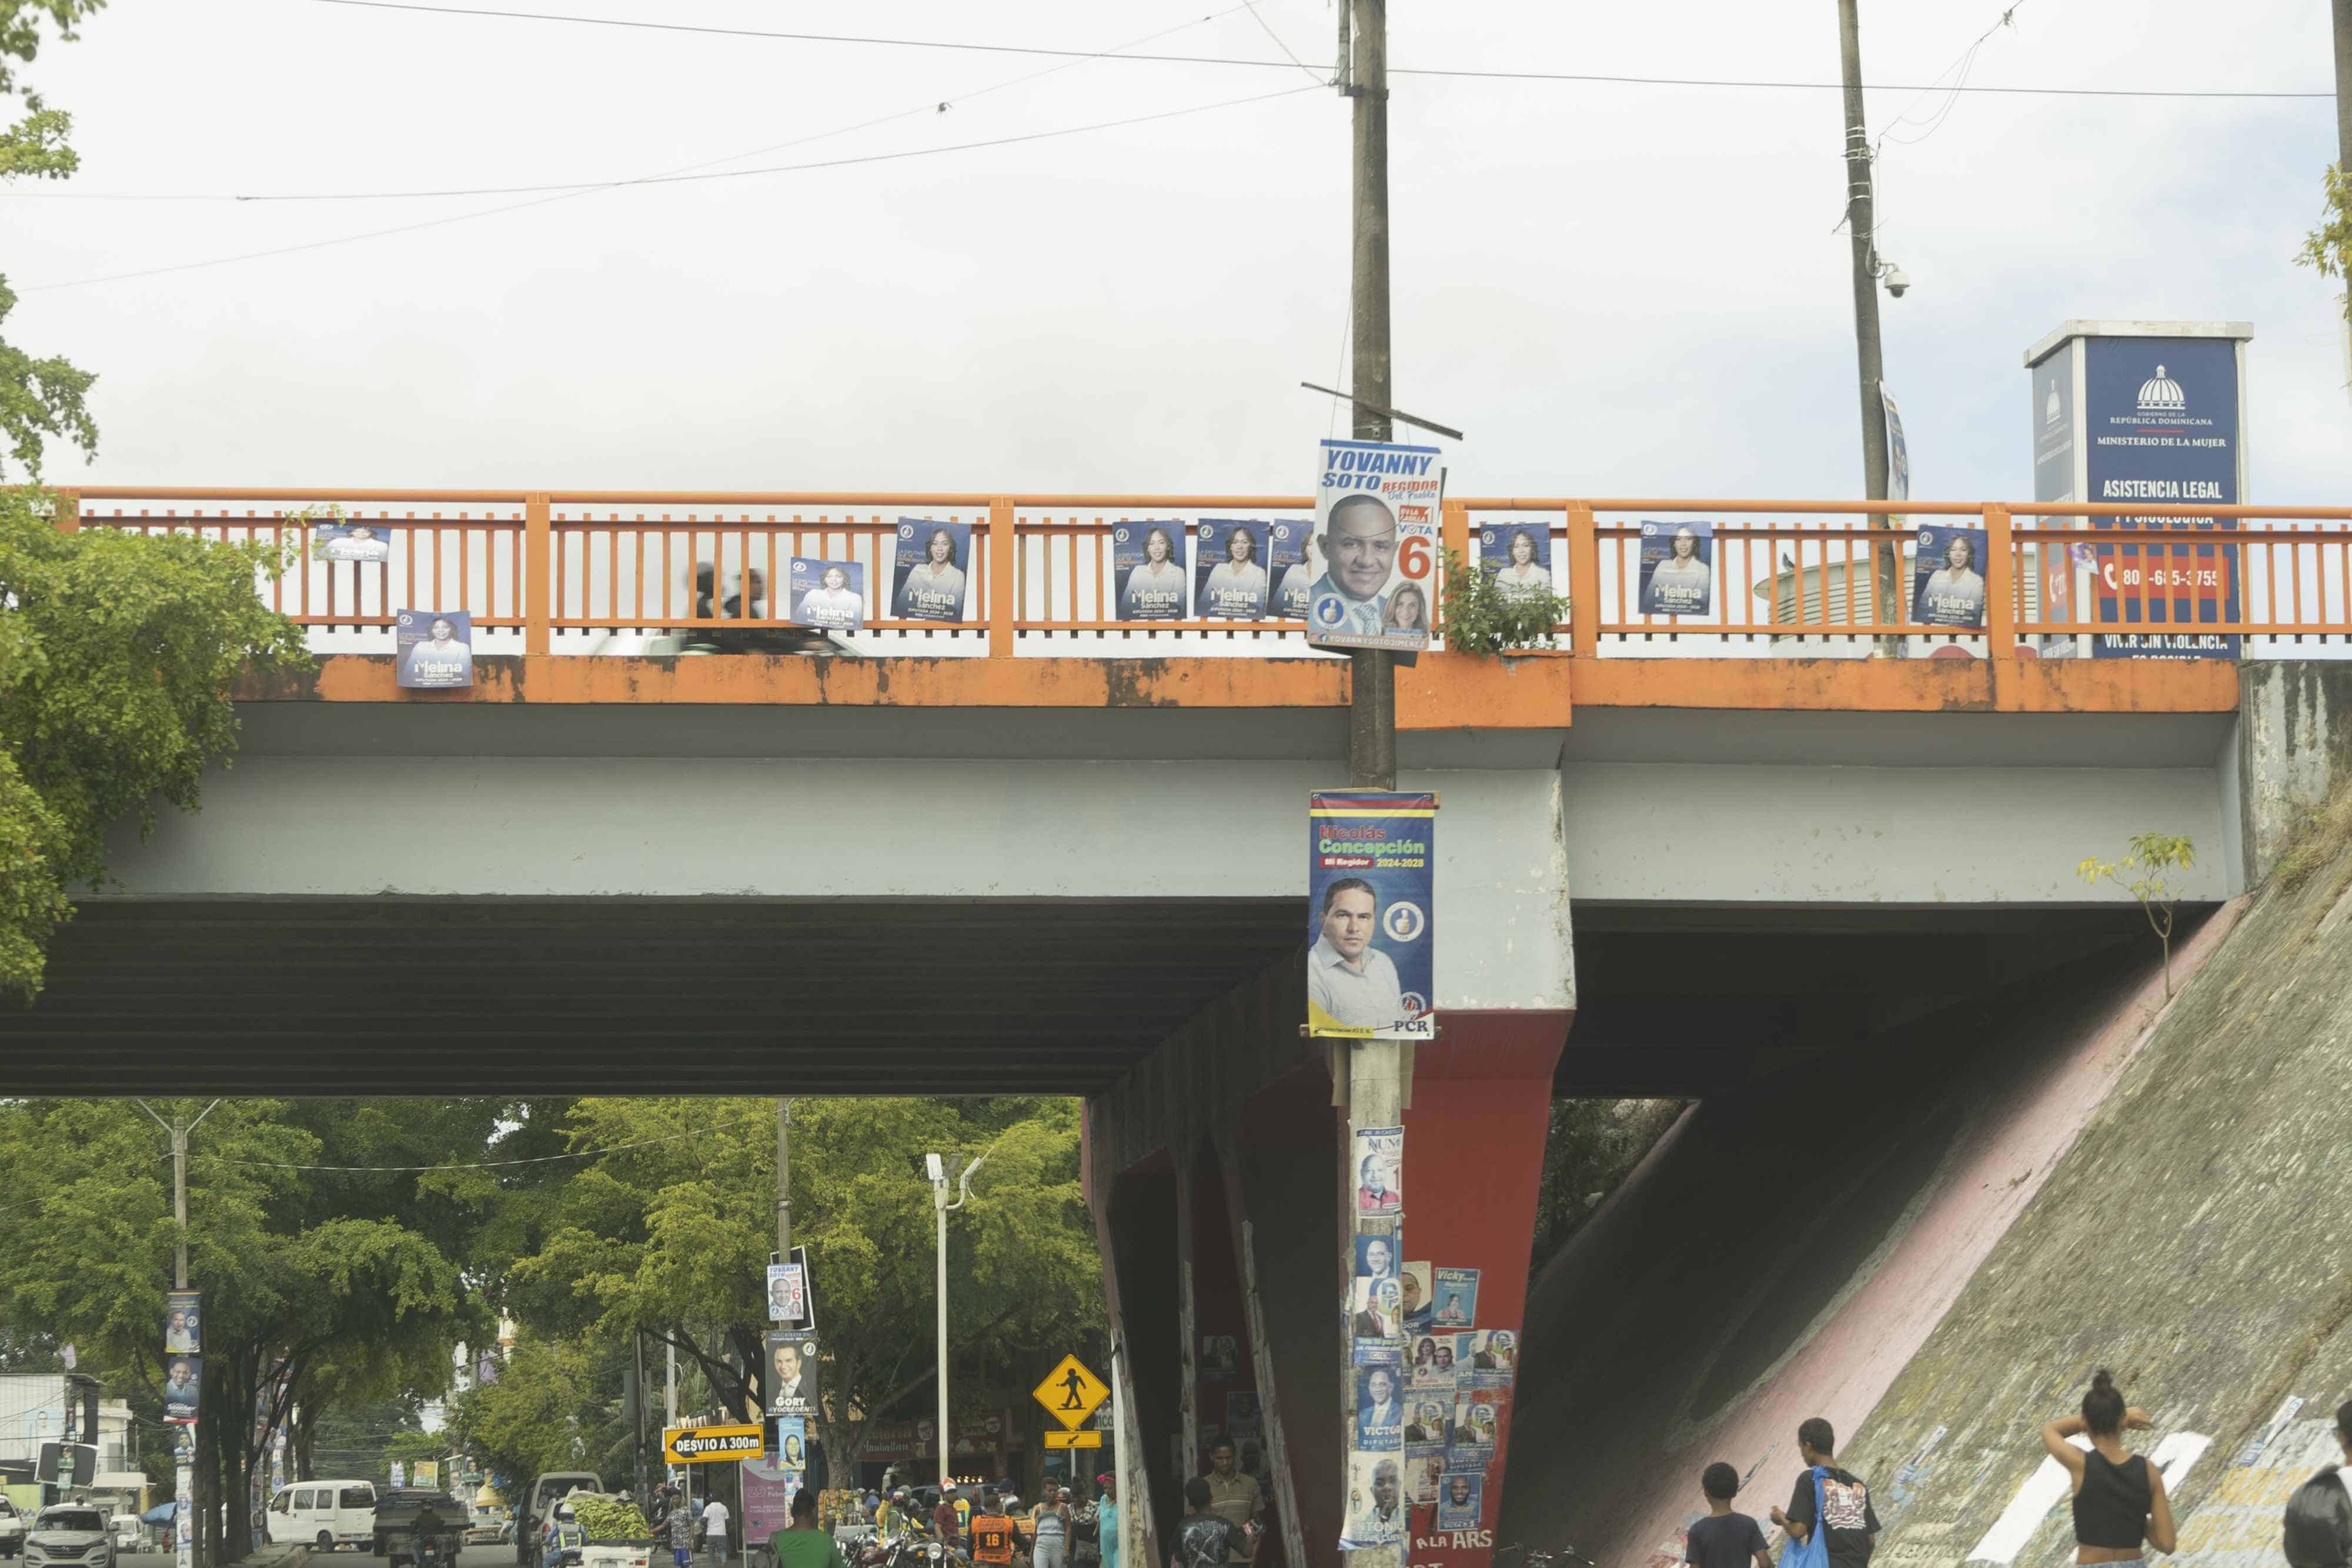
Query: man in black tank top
{"type": "Point", "coordinates": [1849, 1524]}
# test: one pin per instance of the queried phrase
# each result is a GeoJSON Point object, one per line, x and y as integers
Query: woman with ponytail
{"type": "Point", "coordinates": [2120, 1507]}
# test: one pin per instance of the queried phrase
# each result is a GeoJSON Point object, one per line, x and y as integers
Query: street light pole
{"type": "Point", "coordinates": [1862, 233]}
{"type": "Point", "coordinates": [1372, 687]}
{"type": "Point", "coordinates": [939, 1174]}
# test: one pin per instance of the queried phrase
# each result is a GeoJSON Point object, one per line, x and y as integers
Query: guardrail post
{"type": "Point", "coordinates": [1452, 542]}
{"type": "Point", "coordinates": [1003, 577]}
{"type": "Point", "coordinates": [2001, 597]}
{"type": "Point", "coordinates": [68, 516]}
{"type": "Point", "coordinates": [1583, 582]}
{"type": "Point", "coordinates": [538, 592]}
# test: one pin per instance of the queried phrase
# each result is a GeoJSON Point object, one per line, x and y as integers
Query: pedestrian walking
{"type": "Point", "coordinates": [681, 1534]}
{"type": "Point", "coordinates": [2318, 1529]}
{"type": "Point", "coordinates": [1203, 1539]}
{"type": "Point", "coordinates": [801, 1544]}
{"type": "Point", "coordinates": [945, 1522]}
{"type": "Point", "coordinates": [1106, 1519]}
{"type": "Point", "coordinates": [2120, 1507]}
{"type": "Point", "coordinates": [1829, 1515]}
{"type": "Point", "coordinates": [714, 1531]}
{"type": "Point", "coordinates": [1086, 1528]}
{"type": "Point", "coordinates": [1049, 1529]}
{"type": "Point", "coordinates": [1724, 1538]}
{"type": "Point", "coordinates": [1234, 1497]}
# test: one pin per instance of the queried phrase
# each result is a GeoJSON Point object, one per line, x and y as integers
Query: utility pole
{"type": "Point", "coordinates": [2344, 84]}
{"type": "Point", "coordinates": [784, 1183]}
{"type": "Point", "coordinates": [1371, 704]}
{"type": "Point", "coordinates": [934, 1166]}
{"type": "Point", "coordinates": [1862, 232]}
{"type": "Point", "coordinates": [184, 1451]}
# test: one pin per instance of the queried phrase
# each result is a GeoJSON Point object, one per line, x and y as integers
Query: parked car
{"type": "Point", "coordinates": [326, 1514]}
{"type": "Point", "coordinates": [530, 1513]}
{"type": "Point", "coordinates": [129, 1535]}
{"type": "Point", "coordinates": [68, 1535]}
{"type": "Point", "coordinates": [12, 1528]}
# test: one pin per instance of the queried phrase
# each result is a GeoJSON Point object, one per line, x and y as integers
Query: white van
{"type": "Point", "coordinates": [327, 1514]}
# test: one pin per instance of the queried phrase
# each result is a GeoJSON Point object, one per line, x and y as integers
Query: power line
{"type": "Point", "coordinates": [490, 1164]}
{"type": "Point", "coordinates": [566, 192]}
{"type": "Point", "coordinates": [882, 41]}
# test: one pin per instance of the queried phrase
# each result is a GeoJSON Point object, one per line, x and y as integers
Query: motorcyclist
{"type": "Point", "coordinates": [561, 1533]}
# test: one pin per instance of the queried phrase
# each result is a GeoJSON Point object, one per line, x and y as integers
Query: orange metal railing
{"type": "Point", "coordinates": [564, 570]}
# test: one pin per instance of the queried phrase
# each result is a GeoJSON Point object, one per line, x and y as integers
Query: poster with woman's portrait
{"type": "Point", "coordinates": [1947, 585]}
{"type": "Point", "coordinates": [1293, 564]}
{"type": "Point", "coordinates": [1518, 556]}
{"type": "Point", "coordinates": [1488, 1357]}
{"type": "Point", "coordinates": [931, 570]}
{"type": "Point", "coordinates": [1677, 569]}
{"type": "Point", "coordinates": [1148, 570]}
{"type": "Point", "coordinates": [1454, 1298]}
{"type": "Point", "coordinates": [1231, 566]}
{"type": "Point", "coordinates": [1431, 1368]}
{"type": "Point", "coordinates": [830, 594]}
{"type": "Point", "coordinates": [434, 648]}
{"type": "Point", "coordinates": [352, 540]}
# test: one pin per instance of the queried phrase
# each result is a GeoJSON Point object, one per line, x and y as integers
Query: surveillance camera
{"type": "Point", "coordinates": [1898, 281]}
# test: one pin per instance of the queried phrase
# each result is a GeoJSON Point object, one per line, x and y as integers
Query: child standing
{"type": "Point", "coordinates": [1724, 1538]}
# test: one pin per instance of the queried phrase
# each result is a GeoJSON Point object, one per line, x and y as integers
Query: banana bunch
{"type": "Point", "coordinates": [608, 1518]}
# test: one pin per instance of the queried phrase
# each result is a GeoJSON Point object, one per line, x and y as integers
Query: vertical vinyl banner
{"type": "Point", "coordinates": [791, 1373]}
{"type": "Point", "coordinates": [1376, 519]}
{"type": "Point", "coordinates": [1371, 917]}
{"type": "Point", "coordinates": [184, 1389]}
{"type": "Point", "coordinates": [183, 1323]}
{"type": "Point", "coordinates": [2160, 422]}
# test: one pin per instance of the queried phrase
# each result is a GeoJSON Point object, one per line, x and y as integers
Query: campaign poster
{"type": "Point", "coordinates": [791, 1373]}
{"type": "Point", "coordinates": [1418, 1301]}
{"type": "Point", "coordinates": [933, 565]}
{"type": "Point", "coordinates": [1376, 1322]}
{"type": "Point", "coordinates": [1221, 1356]}
{"type": "Point", "coordinates": [1476, 1416]}
{"type": "Point", "coordinates": [1432, 1369]}
{"type": "Point", "coordinates": [184, 1388]}
{"type": "Point", "coordinates": [1376, 508]}
{"type": "Point", "coordinates": [435, 649]}
{"type": "Point", "coordinates": [1241, 1418]}
{"type": "Point", "coordinates": [1370, 916]}
{"type": "Point", "coordinates": [1146, 562]}
{"type": "Point", "coordinates": [2160, 424]}
{"type": "Point", "coordinates": [1424, 1472]}
{"type": "Point", "coordinates": [351, 541]}
{"type": "Point", "coordinates": [1459, 1502]}
{"type": "Point", "coordinates": [1231, 563]}
{"type": "Point", "coordinates": [1294, 564]}
{"type": "Point", "coordinates": [1947, 585]}
{"type": "Point", "coordinates": [1376, 1510]}
{"type": "Point", "coordinates": [791, 1442]}
{"type": "Point", "coordinates": [1898, 450]}
{"type": "Point", "coordinates": [830, 594]}
{"type": "Point", "coordinates": [1518, 556]}
{"type": "Point", "coordinates": [1380, 1170]}
{"type": "Point", "coordinates": [1376, 1257]}
{"type": "Point", "coordinates": [1488, 1357]}
{"type": "Point", "coordinates": [1429, 1416]}
{"type": "Point", "coordinates": [1455, 1303]}
{"type": "Point", "coordinates": [1677, 568]}
{"type": "Point", "coordinates": [183, 1323]}
{"type": "Point", "coordinates": [808, 1290]}
{"type": "Point", "coordinates": [1380, 1408]}
{"type": "Point", "coordinates": [787, 1293]}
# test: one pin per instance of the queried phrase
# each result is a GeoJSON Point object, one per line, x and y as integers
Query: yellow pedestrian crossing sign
{"type": "Point", "coordinates": [1071, 1393]}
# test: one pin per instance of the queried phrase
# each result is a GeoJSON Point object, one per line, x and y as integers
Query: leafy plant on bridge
{"type": "Point", "coordinates": [2328, 248]}
{"type": "Point", "coordinates": [1483, 618]}
{"type": "Point", "coordinates": [41, 399]}
{"type": "Point", "coordinates": [2145, 874]}
{"type": "Point", "coordinates": [116, 655]}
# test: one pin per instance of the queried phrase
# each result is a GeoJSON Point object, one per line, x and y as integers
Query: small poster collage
{"type": "Point", "coordinates": [1433, 1389]}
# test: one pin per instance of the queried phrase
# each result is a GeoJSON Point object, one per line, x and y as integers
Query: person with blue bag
{"type": "Point", "coordinates": [1829, 1522]}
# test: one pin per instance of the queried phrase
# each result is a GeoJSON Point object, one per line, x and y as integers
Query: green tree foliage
{"type": "Point", "coordinates": [2328, 248]}
{"type": "Point", "coordinates": [42, 397]}
{"type": "Point", "coordinates": [1593, 1144]}
{"type": "Point", "coordinates": [674, 1235]}
{"type": "Point", "coordinates": [547, 1411]}
{"type": "Point", "coordinates": [116, 653]}
{"type": "Point", "coordinates": [2146, 874]}
{"type": "Point", "coordinates": [1482, 618]}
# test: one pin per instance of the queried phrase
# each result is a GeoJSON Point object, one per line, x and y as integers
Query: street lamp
{"type": "Point", "coordinates": [935, 1167]}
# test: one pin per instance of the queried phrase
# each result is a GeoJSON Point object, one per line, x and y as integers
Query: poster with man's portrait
{"type": "Point", "coordinates": [1418, 1301]}
{"type": "Point", "coordinates": [791, 1373]}
{"type": "Point", "coordinates": [1431, 1368]}
{"type": "Point", "coordinates": [1376, 1506]}
{"type": "Point", "coordinates": [1379, 1171]}
{"type": "Point", "coordinates": [1376, 505]}
{"type": "Point", "coordinates": [184, 1388]}
{"type": "Point", "coordinates": [1376, 1257]}
{"type": "Point", "coordinates": [787, 1293]}
{"type": "Point", "coordinates": [184, 1330]}
{"type": "Point", "coordinates": [1677, 568]}
{"type": "Point", "coordinates": [1488, 1357]}
{"type": "Point", "coordinates": [1371, 920]}
{"type": "Point", "coordinates": [1460, 1501]}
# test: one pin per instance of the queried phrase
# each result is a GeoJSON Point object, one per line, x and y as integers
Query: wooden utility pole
{"type": "Point", "coordinates": [1862, 232]}
{"type": "Point", "coordinates": [1372, 706]}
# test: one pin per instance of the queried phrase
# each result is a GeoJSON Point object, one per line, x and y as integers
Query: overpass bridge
{"type": "Point", "coordinates": [1044, 850]}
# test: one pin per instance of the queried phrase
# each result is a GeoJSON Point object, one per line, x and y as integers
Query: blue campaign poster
{"type": "Point", "coordinates": [934, 564]}
{"type": "Point", "coordinates": [1376, 507]}
{"type": "Point", "coordinates": [1232, 569]}
{"type": "Point", "coordinates": [2160, 424]}
{"type": "Point", "coordinates": [1677, 568]}
{"type": "Point", "coordinates": [1148, 566]}
{"type": "Point", "coordinates": [435, 648]}
{"type": "Point", "coordinates": [1371, 917]}
{"type": "Point", "coordinates": [1380, 1408]}
{"type": "Point", "coordinates": [1947, 585]}
{"type": "Point", "coordinates": [827, 593]}
{"type": "Point", "coordinates": [1518, 556]}
{"type": "Point", "coordinates": [1287, 566]}
{"type": "Point", "coordinates": [1455, 1304]}
{"type": "Point", "coordinates": [355, 539]}
{"type": "Point", "coordinates": [1376, 1258]}
{"type": "Point", "coordinates": [1460, 1496]}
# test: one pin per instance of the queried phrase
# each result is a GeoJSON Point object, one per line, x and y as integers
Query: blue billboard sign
{"type": "Point", "coordinates": [2160, 424]}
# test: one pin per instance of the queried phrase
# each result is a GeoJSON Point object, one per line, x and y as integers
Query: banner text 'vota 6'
{"type": "Point", "coordinates": [1372, 921]}
{"type": "Point", "coordinates": [2160, 418]}
{"type": "Point", "coordinates": [1376, 525]}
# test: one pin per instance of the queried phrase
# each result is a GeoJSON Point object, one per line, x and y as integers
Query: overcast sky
{"type": "Point", "coordinates": [1614, 289]}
